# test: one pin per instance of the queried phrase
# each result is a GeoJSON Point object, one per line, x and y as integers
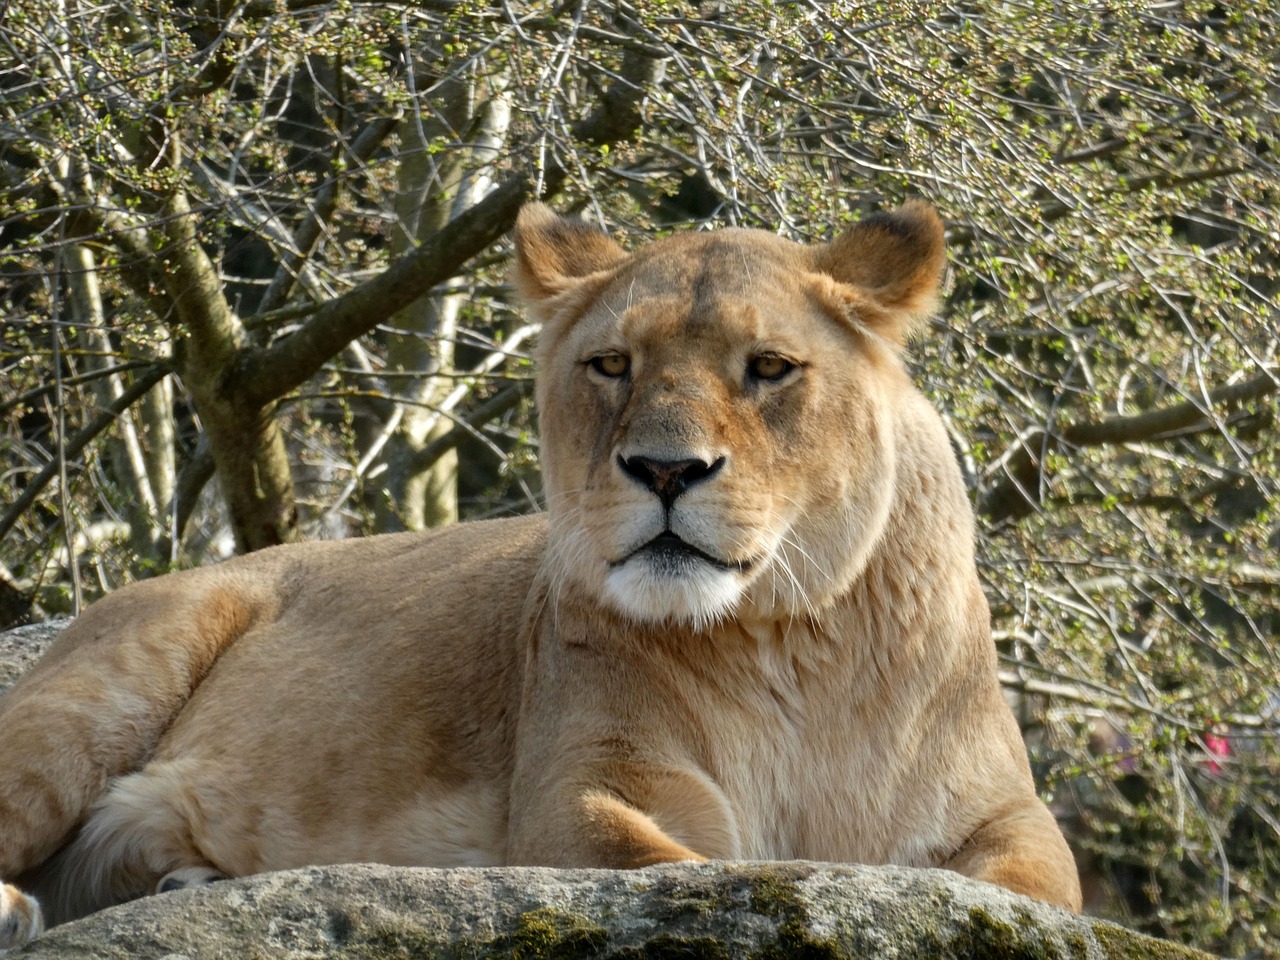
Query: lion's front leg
{"type": "Point", "coordinates": [621, 816]}
{"type": "Point", "coordinates": [1023, 850]}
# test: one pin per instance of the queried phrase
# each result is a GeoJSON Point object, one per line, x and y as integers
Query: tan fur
{"type": "Point", "coordinates": [816, 681]}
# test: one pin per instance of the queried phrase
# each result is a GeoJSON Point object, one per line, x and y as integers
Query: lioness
{"type": "Point", "coordinates": [748, 626]}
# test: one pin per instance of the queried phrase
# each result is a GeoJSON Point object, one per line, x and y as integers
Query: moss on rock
{"type": "Point", "coordinates": [677, 899]}
{"type": "Point", "coordinates": [549, 934]}
{"type": "Point", "coordinates": [775, 895]}
{"type": "Point", "coordinates": [669, 947]}
{"type": "Point", "coordinates": [985, 937]}
{"type": "Point", "coordinates": [1121, 944]}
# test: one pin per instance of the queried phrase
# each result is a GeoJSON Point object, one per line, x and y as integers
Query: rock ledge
{"type": "Point", "coordinates": [717, 911]}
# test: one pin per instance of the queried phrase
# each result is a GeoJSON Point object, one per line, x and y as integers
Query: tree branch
{"type": "Point", "coordinates": [322, 208]}
{"type": "Point", "coordinates": [1179, 418]}
{"type": "Point", "coordinates": [1013, 495]}
{"type": "Point", "coordinates": [186, 494]}
{"type": "Point", "coordinates": [31, 396]}
{"type": "Point", "coordinates": [77, 443]}
{"type": "Point", "coordinates": [1096, 695]}
{"type": "Point", "coordinates": [268, 373]}
{"type": "Point", "coordinates": [490, 409]}
{"type": "Point", "coordinates": [1058, 209]}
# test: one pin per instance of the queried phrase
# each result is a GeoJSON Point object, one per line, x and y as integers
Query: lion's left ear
{"type": "Point", "coordinates": [893, 261]}
{"type": "Point", "coordinates": [553, 252]}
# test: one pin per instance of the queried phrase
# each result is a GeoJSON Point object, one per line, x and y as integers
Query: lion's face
{"type": "Point", "coordinates": [715, 411]}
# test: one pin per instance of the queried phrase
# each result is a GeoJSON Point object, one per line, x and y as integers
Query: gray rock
{"type": "Point", "coordinates": [766, 911]}
{"type": "Point", "coordinates": [22, 646]}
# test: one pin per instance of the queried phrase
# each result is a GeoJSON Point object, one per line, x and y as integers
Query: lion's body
{"type": "Point", "coordinates": [751, 626]}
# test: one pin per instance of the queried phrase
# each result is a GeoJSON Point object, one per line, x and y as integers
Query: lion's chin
{"type": "Point", "coordinates": [693, 592]}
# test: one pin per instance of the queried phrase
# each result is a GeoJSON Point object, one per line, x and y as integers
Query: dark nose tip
{"type": "Point", "coordinates": [668, 478]}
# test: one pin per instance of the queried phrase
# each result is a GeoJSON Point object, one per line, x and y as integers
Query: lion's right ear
{"type": "Point", "coordinates": [553, 253]}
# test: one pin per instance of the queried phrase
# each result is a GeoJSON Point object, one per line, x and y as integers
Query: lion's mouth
{"type": "Point", "coordinates": [672, 554]}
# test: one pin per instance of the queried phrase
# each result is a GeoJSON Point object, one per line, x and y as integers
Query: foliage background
{"type": "Point", "coordinates": [252, 282]}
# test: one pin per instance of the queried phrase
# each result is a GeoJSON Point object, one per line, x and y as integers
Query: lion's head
{"type": "Point", "coordinates": [715, 408]}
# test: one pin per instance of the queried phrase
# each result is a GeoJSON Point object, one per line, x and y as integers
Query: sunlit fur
{"type": "Point", "coordinates": [785, 654]}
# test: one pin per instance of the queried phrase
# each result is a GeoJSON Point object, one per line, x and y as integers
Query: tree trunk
{"type": "Point", "coordinates": [433, 189]}
{"type": "Point", "coordinates": [124, 448]}
{"type": "Point", "coordinates": [244, 437]}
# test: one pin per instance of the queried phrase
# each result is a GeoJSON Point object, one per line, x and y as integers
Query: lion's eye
{"type": "Point", "coordinates": [612, 365]}
{"type": "Point", "coordinates": [769, 366]}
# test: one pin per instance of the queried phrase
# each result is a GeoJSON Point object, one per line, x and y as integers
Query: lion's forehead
{"type": "Point", "coordinates": [707, 265]}
{"type": "Point", "coordinates": [731, 285]}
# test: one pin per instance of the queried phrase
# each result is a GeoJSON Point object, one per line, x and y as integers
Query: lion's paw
{"type": "Point", "coordinates": [20, 918]}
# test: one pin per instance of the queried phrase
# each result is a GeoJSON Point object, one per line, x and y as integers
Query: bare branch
{"type": "Point", "coordinates": [269, 373]}
{"type": "Point", "coordinates": [322, 208]}
{"type": "Point", "coordinates": [490, 409]}
{"type": "Point", "coordinates": [73, 446]}
{"type": "Point", "coordinates": [1012, 497]}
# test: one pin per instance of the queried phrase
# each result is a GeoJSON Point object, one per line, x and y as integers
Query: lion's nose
{"type": "Point", "coordinates": [668, 478]}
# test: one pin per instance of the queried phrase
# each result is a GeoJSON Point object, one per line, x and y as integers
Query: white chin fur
{"type": "Point", "coordinates": [699, 594]}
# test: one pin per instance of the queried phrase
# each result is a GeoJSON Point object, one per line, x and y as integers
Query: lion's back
{"type": "Point", "coordinates": [400, 630]}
